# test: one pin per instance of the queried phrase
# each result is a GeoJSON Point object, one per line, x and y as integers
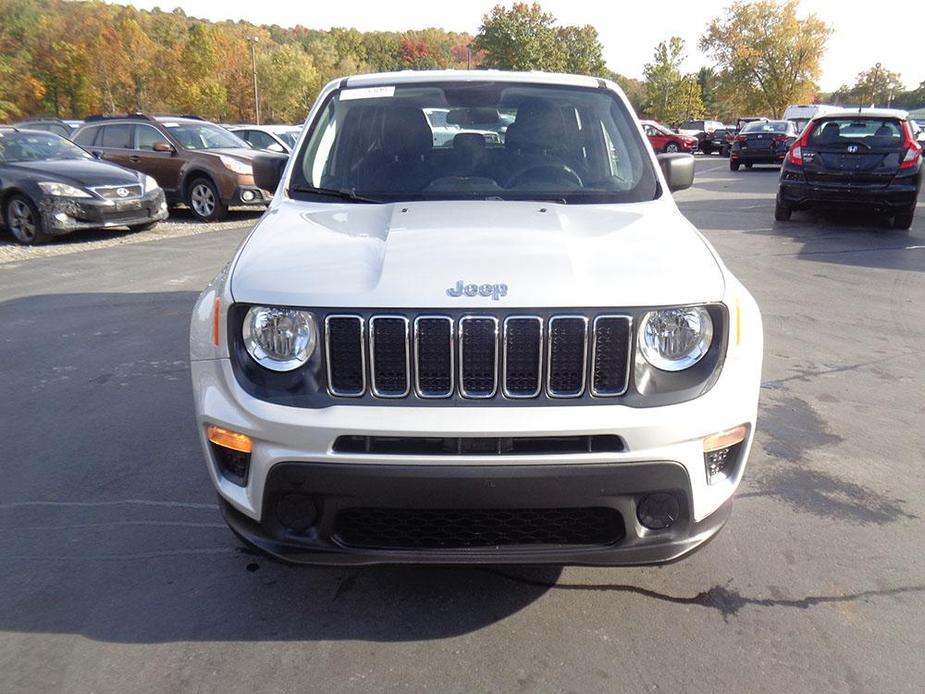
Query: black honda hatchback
{"type": "Point", "coordinates": [857, 159]}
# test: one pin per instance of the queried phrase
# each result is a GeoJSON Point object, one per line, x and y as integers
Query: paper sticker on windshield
{"type": "Point", "coordinates": [367, 93]}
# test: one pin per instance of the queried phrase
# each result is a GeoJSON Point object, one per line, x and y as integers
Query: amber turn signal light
{"type": "Point", "coordinates": [725, 439]}
{"type": "Point", "coordinates": [230, 439]}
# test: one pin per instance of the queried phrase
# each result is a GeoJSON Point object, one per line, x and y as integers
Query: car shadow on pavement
{"type": "Point", "coordinates": [836, 237]}
{"type": "Point", "coordinates": [108, 522]}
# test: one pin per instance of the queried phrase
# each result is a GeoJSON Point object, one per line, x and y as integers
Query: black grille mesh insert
{"type": "Point", "coordinates": [483, 445]}
{"type": "Point", "coordinates": [611, 355]}
{"type": "Point", "coordinates": [434, 340]}
{"type": "Point", "coordinates": [394, 528]}
{"type": "Point", "coordinates": [479, 356]}
{"type": "Point", "coordinates": [522, 350]}
{"type": "Point", "coordinates": [567, 343]}
{"type": "Point", "coordinates": [345, 355]}
{"type": "Point", "coordinates": [389, 356]}
{"type": "Point", "coordinates": [522, 356]}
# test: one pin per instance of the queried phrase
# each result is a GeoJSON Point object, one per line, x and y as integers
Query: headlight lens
{"type": "Point", "coordinates": [150, 184]}
{"type": "Point", "coordinates": [675, 339]}
{"type": "Point", "coordinates": [63, 190]}
{"type": "Point", "coordinates": [281, 339]}
{"type": "Point", "coordinates": [239, 167]}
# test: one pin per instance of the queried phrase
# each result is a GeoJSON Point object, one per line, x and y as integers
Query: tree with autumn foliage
{"type": "Point", "coordinates": [767, 53]}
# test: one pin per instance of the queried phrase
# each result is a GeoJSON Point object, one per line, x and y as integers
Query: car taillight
{"type": "Point", "coordinates": [795, 155]}
{"type": "Point", "coordinates": [913, 149]}
{"type": "Point", "coordinates": [780, 138]}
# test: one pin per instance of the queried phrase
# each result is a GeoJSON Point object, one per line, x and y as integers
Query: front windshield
{"type": "Point", "coordinates": [204, 136]}
{"type": "Point", "coordinates": [290, 137]}
{"type": "Point", "coordinates": [482, 140]}
{"type": "Point", "coordinates": [37, 146]}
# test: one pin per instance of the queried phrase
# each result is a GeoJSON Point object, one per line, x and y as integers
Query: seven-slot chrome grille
{"type": "Point", "coordinates": [519, 356]}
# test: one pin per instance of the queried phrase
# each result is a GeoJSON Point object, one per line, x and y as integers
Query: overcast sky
{"type": "Point", "coordinates": [864, 35]}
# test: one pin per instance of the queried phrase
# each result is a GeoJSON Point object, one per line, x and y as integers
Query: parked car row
{"type": "Point", "coordinates": [125, 171]}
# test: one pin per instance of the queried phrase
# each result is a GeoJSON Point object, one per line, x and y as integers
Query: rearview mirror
{"type": "Point", "coordinates": [678, 170]}
{"type": "Point", "coordinates": [162, 147]}
{"type": "Point", "coordinates": [268, 170]}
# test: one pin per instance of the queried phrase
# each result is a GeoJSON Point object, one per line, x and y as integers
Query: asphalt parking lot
{"type": "Point", "coordinates": [118, 574]}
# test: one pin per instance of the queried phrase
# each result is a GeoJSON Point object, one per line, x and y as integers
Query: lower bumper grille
{"type": "Point", "coordinates": [390, 528]}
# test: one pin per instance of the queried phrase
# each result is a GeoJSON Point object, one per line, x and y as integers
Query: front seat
{"type": "Point", "coordinates": [542, 135]}
{"type": "Point", "coordinates": [405, 141]}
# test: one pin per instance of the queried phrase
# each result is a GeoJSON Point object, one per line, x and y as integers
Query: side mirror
{"type": "Point", "coordinates": [268, 170]}
{"type": "Point", "coordinates": [678, 170]}
{"type": "Point", "coordinates": [276, 147]}
{"type": "Point", "coordinates": [163, 147]}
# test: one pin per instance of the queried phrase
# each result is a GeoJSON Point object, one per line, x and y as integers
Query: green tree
{"type": "Point", "coordinates": [520, 38]}
{"type": "Point", "coordinates": [769, 53]}
{"type": "Point", "coordinates": [583, 52]}
{"type": "Point", "coordinates": [670, 95]}
{"type": "Point", "coordinates": [876, 86]}
{"type": "Point", "coordinates": [525, 37]}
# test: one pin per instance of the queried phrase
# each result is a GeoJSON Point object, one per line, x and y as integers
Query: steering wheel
{"type": "Point", "coordinates": [562, 172]}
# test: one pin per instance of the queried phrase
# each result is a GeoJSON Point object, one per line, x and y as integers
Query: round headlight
{"type": "Point", "coordinates": [675, 339]}
{"type": "Point", "coordinates": [281, 339]}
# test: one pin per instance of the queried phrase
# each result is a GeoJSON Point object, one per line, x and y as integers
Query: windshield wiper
{"type": "Point", "coordinates": [348, 195]}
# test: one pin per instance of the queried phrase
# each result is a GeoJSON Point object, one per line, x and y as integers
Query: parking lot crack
{"type": "Point", "coordinates": [726, 601]}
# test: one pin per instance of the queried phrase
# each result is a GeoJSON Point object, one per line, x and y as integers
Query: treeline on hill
{"type": "Point", "coordinates": [72, 59]}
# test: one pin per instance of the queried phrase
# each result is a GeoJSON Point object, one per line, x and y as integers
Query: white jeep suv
{"type": "Point", "coordinates": [514, 351]}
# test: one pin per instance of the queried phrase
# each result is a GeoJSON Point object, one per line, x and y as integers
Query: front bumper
{"type": "Point", "coordinates": [452, 493]}
{"type": "Point", "coordinates": [62, 215]}
{"type": "Point", "coordinates": [250, 196]}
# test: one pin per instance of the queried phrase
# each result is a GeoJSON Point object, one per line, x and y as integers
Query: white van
{"type": "Point", "coordinates": [804, 113]}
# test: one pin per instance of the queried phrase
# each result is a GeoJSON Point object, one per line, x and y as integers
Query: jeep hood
{"type": "Point", "coordinates": [407, 255]}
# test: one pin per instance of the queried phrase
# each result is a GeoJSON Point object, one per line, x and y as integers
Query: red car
{"type": "Point", "coordinates": [664, 140]}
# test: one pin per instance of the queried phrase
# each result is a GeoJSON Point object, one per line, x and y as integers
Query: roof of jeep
{"type": "Point", "coordinates": [412, 76]}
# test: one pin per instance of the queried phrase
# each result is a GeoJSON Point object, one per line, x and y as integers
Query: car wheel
{"type": "Point", "coordinates": [671, 147]}
{"type": "Point", "coordinates": [733, 165]}
{"type": "Point", "coordinates": [748, 166]}
{"type": "Point", "coordinates": [782, 212]}
{"type": "Point", "coordinates": [205, 202]}
{"type": "Point", "coordinates": [903, 220]}
{"type": "Point", "coordinates": [24, 221]}
{"type": "Point", "coordinates": [143, 227]}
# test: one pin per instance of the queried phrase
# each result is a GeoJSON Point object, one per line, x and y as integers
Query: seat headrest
{"type": "Point", "coordinates": [884, 131]}
{"type": "Point", "coordinates": [830, 132]}
{"type": "Point", "coordinates": [406, 133]}
{"type": "Point", "coordinates": [541, 125]}
{"type": "Point", "coordinates": [469, 142]}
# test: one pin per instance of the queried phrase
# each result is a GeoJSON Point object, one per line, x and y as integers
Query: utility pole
{"type": "Point", "coordinates": [253, 41]}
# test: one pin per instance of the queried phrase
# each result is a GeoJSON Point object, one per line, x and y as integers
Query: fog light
{"type": "Point", "coordinates": [232, 452]}
{"type": "Point", "coordinates": [721, 453]}
{"type": "Point", "coordinates": [248, 195]}
{"type": "Point", "coordinates": [296, 512]}
{"type": "Point", "coordinates": [658, 511]}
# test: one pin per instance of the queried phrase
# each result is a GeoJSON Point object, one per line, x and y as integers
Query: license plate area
{"type": "Point", "coordinates": [127, 205]}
